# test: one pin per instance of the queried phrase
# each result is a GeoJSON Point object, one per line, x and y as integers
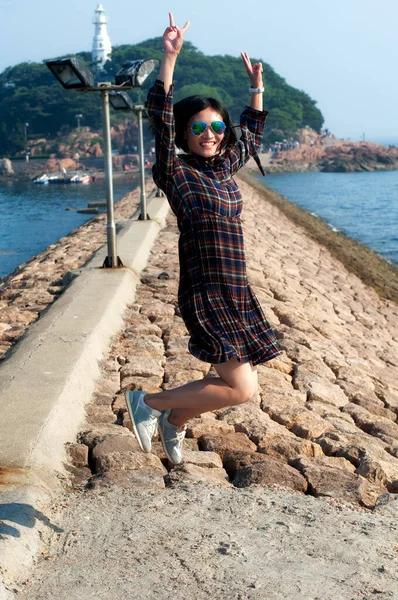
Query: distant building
{"type": "Point", "coordinates": [102, 47]}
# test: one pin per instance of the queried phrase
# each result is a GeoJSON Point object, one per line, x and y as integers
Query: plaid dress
{"type": "Point", "coordinates": [218, 306]}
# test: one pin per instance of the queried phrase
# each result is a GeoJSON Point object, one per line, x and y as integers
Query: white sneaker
{"type": "Point", "coordinates": [172, 438]}
{"type": "Point", "coordinates": [143, 417]}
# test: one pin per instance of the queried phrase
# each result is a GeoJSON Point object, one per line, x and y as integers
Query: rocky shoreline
{"type": "Point", "coordinates": [336, 157]}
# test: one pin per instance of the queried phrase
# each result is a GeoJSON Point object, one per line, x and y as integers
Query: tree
{"type": "Point", "coordinates": [30, 93]}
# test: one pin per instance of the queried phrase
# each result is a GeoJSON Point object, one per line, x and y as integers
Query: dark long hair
{"type": "Point", "coordinates": [185, 109]}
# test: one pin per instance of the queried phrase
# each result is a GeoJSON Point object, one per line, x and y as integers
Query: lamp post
{"type": "Point", "coordinates": [72, 73]}
{"type": "Point", "coordinates": [26, 125]}
{"type": "Point", "coordinates": [121, 101]}
{"type": "Point", "coordinates": [78, 119]}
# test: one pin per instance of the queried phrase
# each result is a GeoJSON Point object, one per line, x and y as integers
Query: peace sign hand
{"type": "Point", "coordinates": [255, 71]}
{"type": "Point", "coordinates": [173, 37]}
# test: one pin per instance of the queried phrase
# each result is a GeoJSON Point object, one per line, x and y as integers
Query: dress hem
{"type": "Point", "coordinates": [255, 361]}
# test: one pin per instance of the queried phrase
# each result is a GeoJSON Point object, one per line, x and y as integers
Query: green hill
{"type": "Point", "coordinates": [30, 94]}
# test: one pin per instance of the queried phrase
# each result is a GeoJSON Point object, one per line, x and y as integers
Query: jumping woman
{"type": "Point", "coordinates": [226, 324]}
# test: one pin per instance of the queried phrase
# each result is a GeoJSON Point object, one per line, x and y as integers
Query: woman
{"type": "Point", "coordinates": [227, 326]}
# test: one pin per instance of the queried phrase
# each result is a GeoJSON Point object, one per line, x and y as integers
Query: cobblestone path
{"type": "Point", "coordinates": [324, 422]}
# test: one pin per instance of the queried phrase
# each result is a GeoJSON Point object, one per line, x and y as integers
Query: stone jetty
{"type": "Point", "coordinates": [324, 422]}
{"type": "Point", "coordinates": [293, 495]}
{"type": "Point", "coordinates": [29, 290]}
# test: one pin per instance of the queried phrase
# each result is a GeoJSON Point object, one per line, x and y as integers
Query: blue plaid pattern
{"type": "Point", "coordinates": [218, 306]}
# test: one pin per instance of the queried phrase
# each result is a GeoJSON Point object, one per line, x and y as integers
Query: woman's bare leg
{"type": "Point", "coordinates": [237, 384]}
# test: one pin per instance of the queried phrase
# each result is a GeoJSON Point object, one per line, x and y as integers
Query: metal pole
{"type": "Point", "coordinates": [143, 214]}
{"type": "Point", "coordinates": [112, 260]}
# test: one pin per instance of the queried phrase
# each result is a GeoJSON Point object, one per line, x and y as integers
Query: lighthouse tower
{"type": "Point", "coordinates": [101, 43]}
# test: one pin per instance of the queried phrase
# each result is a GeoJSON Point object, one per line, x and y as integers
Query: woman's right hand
{"type": "Point", "coordinates": [173, 37]}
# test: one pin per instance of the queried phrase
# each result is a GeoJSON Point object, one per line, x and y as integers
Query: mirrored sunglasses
{"type": "Point", "coordinates": [199, 127]}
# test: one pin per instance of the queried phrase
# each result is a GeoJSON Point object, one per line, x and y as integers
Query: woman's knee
{"type": "Point", "coordinates": [246, 393]}
{"type": "Point", "coordinates": [241, 378]}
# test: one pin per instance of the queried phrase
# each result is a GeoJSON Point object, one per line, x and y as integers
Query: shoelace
{"type": "Point", "coordinates": [179, 437]}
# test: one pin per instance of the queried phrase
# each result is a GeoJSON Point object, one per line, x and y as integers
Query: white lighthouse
{"type": "Point", "coordinates": [102, 48]}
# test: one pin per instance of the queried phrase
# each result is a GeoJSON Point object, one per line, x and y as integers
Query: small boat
{"type": "Point", "coordinates": [84, 178]}
{"type": "Point", "coordinates": [42, 179]}
{"type": "Point", "coordinates": [64, 177]}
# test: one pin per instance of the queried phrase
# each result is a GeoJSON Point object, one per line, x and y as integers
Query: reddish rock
{"type": "Point", "coordinates": [155, 309]}
{"type": "Point", "coordinates": [234, 460]}
{"type": "Point", "coordinates": [114, 444]}
{"type": "Point", "coordinates": [278, 405]}
{"type": "Point", "coordinates": [143, 366]}
{"type": "Point", "coordinates": [174, 330]}
{"type": "Point", "coordinates": [376, 407]}
{"type": "Point", "coordinates": [378, 427]}
{"type": "Point", "coordinates": [268, 472]}
{"type": "Point", "coordinates": [230, 441]}
{"type": "Point", "coordinates": [329, 393]}
{"type": "Point", "coordinates": [210, 460]}
{"type": "Point", "coordinates": [310, 372]}
{"type": "Point", "coordinates": [175, 379]}
{"type": "Point", "coordinates": [128, 461]}
{"type": "Point", "coordinates": [308, 425]}
{"type": "Point", "coordinates": [365, 452]}
{"type": "Point", "coordinates": [384, 472]}
{"type": "Point", "coordinates": [287, 448]}
{"type": "Point", "coordinates": [93, 436]}
{"type": "Point", "coordinates": [101, 399]}
{"type": "Point", "coordinates": [176, 364]}
{"type": "Point", "coordinates": [145, 345]}
{"type": "Point", "coordinates": [99, 414]}
{"type": "Point", "coordinates": [271, 379]}
{"type": "Point", "coordinates": [151, 385]}
{"type": "Point", "coordinates": [78, 454]}
{"type": "Point", "coordinates": [119, 404]}
{"type": "Point", "coordinates": [251, 420]}
{"type": "Point", "coordinates": [177, 346]}
{"type": "Point", "coordinates": [337, 482]}
{"type": "Point", "coordinates": [199, 427]}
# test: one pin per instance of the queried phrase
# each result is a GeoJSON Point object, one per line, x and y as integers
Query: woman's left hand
{"type": "Point", "coordinates": [255, 71]}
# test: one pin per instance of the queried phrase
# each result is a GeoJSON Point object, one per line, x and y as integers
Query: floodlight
{"type": "Point", "coordinates": [72, 73]}
{"type": "Point", "coordinates": [120, 101]}
{"type": "Point", "coordinates": [134, 72]}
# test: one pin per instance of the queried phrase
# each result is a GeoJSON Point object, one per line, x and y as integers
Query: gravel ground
{"type": "Point", "coordinates": [197, 542]}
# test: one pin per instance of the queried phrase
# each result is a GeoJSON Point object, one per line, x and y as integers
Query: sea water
{"type": "Point", "coordinates": [34, 216]}
{"type": "Point", "coordinates": [363, 206]}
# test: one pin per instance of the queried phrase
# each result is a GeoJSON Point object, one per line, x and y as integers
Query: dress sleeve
{"type": "Point", "coordinates": [160, 111]}
{"type": "Point", "coordinates": [252, 124]}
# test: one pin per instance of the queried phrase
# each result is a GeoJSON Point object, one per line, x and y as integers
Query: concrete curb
{"type": "Point", "coordinates": [47, 381]}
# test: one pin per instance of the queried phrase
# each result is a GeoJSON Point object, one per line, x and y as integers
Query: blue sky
{"type": "Point", "coordinates": [344, 53]}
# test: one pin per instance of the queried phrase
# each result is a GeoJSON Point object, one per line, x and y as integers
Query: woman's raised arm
{"type": "Point", "coordinates": [173, 39]}
{"type": "Point", "coordinates": [255, 73]}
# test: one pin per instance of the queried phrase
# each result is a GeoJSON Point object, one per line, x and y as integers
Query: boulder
{"type": "Point", "coordinates": [269, 472]}
{"type": "Point", "coordinates": [287, 447]}
{"type": "Point", "coordinates": [222, 443]}
{"type": "Point", "coordinates": [6, 167]}
{"type": "Point", "coordinates": [335, 480]}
